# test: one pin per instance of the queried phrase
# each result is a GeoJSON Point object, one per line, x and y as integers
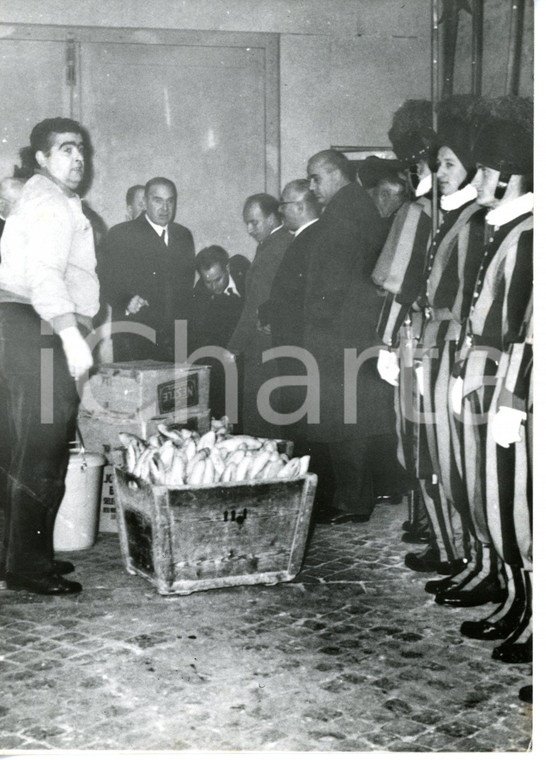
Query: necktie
{"type": "Point", "coordinates": [163, 234]}
{"type": "Point", "coordinates": [229, 291]}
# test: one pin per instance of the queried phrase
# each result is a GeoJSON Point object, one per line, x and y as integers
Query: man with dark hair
{"type": "Point", "coordinates": [341, 308]}
{"type": "Point", "coordinates": [49, 294]}
{"type": "Point", "coordinates": [136, 201]}
{"type": "Point", "coordinates": [250, 340]}
{"type": "Point", "coordinates": [147, 273]}
{"type": "Point", "coordinates": [217, 302]}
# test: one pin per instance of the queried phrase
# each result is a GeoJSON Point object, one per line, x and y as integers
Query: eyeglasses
{"type": "Point", "coordinates": [287, 203]}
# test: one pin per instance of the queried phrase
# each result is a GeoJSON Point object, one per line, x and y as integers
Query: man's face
{"type": "Point", "coordinates": [257, 224]}
{"type": "Point", "coordinates": [138, 204]}
{"type": "Point", "coordinates": [161, 204]}
{"type": "Point", "coordinates": [65, 158]}
{"type": "Point", "coordinates": [450, 172]}
{"type": "Point", "coordinates": [291, 209]}
{"type": "Point", "coordinates": [485, 182]}
{"type": "Point", "coordinates": [324, 181]}
{"type": "Point", "coordinates": [215, 279]}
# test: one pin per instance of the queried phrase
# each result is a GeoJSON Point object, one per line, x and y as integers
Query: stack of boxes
{"type": "Point", "coordinates": [134, 397]}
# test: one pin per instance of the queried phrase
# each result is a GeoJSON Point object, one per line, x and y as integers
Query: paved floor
{"type": "Point", "coordinates": [352, 656]}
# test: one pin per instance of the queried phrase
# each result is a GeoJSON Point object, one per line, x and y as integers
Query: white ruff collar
{"type": "Point", "coordinates": [458, 198]}
{"type": "Point", "coordinates": [424, 186]}
{"type": "Point", "coordinates": [510, 210]}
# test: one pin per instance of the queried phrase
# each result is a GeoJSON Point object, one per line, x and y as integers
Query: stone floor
{"type": "Point", "coordinates": [351, 656]}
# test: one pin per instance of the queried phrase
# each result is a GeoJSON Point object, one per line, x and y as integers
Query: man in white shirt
{"type": "Point", "coordinates": [49, 294]}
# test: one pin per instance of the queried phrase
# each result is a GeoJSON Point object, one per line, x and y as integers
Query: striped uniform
{"type": "Point", "coordinates": [496, 319]}
{"type": "Point", "coordinates": [451, 269]}
{"type": "Point", "coordinates": [399, 272]}
{"type": "Point", "coordinates": [509, 470]}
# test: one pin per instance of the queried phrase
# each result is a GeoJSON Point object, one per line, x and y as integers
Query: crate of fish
{"type": "Point", "coordinates": [197, 513]}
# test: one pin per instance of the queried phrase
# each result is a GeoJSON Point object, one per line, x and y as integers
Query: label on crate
{"type": "Point", "coordinates": [178, 393]}
{"type": "Point", "coordinates": [108, 522]}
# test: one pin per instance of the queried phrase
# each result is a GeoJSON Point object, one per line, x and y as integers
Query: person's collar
{"type": "Point", "coordinates": [157, 227]}
{"type": "Point", "coordinates": [424, 186]}
{"type": "Point", "coordinates": [459, 198]}
{"type": "Point", "coordinates": [276, 229]}
{"type": "Point", "coordinates": [304, 226]}
{"type": "Point", "coordinates": [510, 210]}
{"type": "Point", "coordinates": [231, 284]}
{"type": "Point", "coordinates": [66, 190]}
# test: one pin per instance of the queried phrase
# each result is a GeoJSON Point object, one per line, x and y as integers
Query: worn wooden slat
{"type": "Point", "coordinates": [195, 538]}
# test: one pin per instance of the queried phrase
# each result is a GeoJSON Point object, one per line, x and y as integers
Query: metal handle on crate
{"type": "Point", "coordinates": [81, 447]}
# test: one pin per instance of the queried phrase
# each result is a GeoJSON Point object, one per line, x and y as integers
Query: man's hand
{"type": "Point", "coordinates": [78, 353]}
{"type": "Point", "coordinates": [135, 305]}
{"type": "Point", "coordinates": [388, 367]}
{"type": "Point", "coordinates": [506, 426]}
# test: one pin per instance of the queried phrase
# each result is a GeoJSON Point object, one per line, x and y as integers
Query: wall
{"type": "Point", "coordinates": [345, 65]}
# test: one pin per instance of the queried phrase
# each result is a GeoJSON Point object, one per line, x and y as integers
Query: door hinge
{"type": "Point", "coordinates": [71, 62]}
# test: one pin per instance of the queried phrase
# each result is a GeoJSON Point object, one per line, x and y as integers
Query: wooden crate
{"type": "Point", "coordinates": [145, 389]}
{"type": "Point", "coordinates": [231, 534]}
{"type": "Point", "coordinates": [100, 432]}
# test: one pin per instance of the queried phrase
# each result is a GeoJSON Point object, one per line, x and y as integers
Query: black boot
{"type": "Point", "coordinates": [518, 647]}
{"type": "Point", "coordinates": [504, 621]}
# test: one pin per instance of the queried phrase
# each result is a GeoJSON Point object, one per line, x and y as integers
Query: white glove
{"type": "Point", "coordinates": [78, 353]}
{"type": "Point", "coordinates": [135, 305]}
{"type": "Point", "coordinates": [457, 395]}
{"type": "Point", "coordinates": [388, 367]}
{"type": "Point", "coordinates": [420, 375]}
{"type": "Point", "coordinates": [506, 426]}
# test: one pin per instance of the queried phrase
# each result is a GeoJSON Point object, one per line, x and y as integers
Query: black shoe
{"type": "Point", "coordinates": [395, 498]}
{"type": "Point", "coordinates": [415, 538]}
{"type": "Point", "coordinates": [514, 653]}
{"type": "Point", "coordinates": [526, 694]}
{"type": "Point", "coordinates": [487, 630]}
{"type": "Point", "coordinates": [49, 585]}
{"type": "Point", "coordinates": [429, 562]}
{"type": "Point", "coordinates": [60, 567]}
{"type": "Point", "coordinates": [340, 518]}
{"type": "Point", "coordinates": [486, 591]}
{"type": "Point", "coordinates": [483, 630]}
{"type": "Point", "coordinates": [441, 584]}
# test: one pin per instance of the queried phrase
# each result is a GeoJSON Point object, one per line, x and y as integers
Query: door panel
{"type": "Point", "coordinates": [195, 114]}
{"type": "Point", "coordinates": [32, 87]}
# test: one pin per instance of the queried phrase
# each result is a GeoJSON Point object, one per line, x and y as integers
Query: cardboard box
{"type": "Point", "coordinates": [144, 389]}
{"type": "Point", "coordinates": [229, 534]}
{"type": "Point", "coordinates": [100, 432]}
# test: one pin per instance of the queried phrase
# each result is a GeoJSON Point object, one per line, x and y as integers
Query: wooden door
{"type": "Point", "coordinates": [33, 87]}
{"type": "Point", "coordinates": [198, 107]}
{"type": "Point", "coordinates": [194, 114]}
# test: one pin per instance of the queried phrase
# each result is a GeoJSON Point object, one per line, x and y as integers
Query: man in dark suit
{"type": "Point", "coordinates": [217, 303]}
{"type": "Point", "coordinates": [10, 192]}
{"type": "Point", "coordinates": [341, 308]}
{"type": "Point", "coordinates": [147, 274]}
{"type": "Point", "coordinates": [250, 340]}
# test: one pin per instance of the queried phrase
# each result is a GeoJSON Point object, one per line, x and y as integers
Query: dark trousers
{"type": "Point", "coordinates": [41, 404]}
{"type": "Point", "coordinates": [362, 469]}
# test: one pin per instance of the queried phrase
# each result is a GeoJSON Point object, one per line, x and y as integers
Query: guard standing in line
{"type": "Point", "coordinates": [399, 273]}
{"type": "Point", "coordinates": [498, 320]}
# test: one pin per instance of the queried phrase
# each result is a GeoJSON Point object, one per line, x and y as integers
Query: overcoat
{"type": "Point", "coordinates": [341, 310]}
{"type": "Point", "coordinates": [135, 261]}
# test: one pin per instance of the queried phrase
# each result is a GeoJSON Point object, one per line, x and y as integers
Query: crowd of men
{"type": "Point", "coordinates": [388, 336]}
